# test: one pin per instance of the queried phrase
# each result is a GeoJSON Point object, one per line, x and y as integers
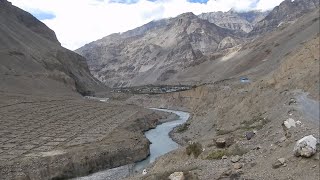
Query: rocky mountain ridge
{"type": "Point", "coordinates": [286, 12]}
{"type": "Point", "coordinates": [241, 21]}
{"type": "Point", "coordinates": [161, 51]}
{"type": "Point", "coordinates": [162, 47]}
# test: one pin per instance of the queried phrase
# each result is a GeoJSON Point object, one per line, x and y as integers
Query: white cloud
{"type": "Point", "coordinates": [78, 22]}
{"type": "Point", "coordinates": [268, 4]}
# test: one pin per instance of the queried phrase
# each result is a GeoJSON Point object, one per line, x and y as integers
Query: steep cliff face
{"type": "Point", "coordinates": [156, 51]}
{"type": "Point", "coordinates": [286, 12]}
{"type": "Point", "coordinates": [32, 60]}
{"type": "Point", "coordinates": [241, 21]}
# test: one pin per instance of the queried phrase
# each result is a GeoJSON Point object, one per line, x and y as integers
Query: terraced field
{"type": "Point", "coordinates": [32, 131]}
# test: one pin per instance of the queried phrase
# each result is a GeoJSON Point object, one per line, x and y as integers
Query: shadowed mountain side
{"type": "Point", "coordinates": [32, 60]}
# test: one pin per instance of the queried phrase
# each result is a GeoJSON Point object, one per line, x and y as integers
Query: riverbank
{"type": "Point", "coordinates": [52, 138]}
{"type": "Point", "coordinates": [160, 144]}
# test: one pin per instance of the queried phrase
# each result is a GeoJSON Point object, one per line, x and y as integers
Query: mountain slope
{"type": "Point", "coordinates": [156, 51]}
{"type": "Point", "coordinates": [241, 21]}
{"type": "Point", "coordinates": [286, 12]}
{"type": "Point", "coordinates": [32, 60]}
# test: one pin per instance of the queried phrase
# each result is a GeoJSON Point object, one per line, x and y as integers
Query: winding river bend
{"type": "Point", "coordinates": [161, 143]}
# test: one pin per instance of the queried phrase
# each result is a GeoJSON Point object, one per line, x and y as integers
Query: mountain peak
{"type": "Point", "coordinates": [187, 15]}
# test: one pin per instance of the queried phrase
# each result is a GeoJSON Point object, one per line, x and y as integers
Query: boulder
{"type": "Point", "coordinates": [235, 159]}
{"type": "Point", "coordinates": [306, 147]}
{"type": "Point", "coordinates": [177, 176]}
{"type": "Point", "coordinates": [249, 135]}
{"type": "Point", "coordinates": [221, 142]}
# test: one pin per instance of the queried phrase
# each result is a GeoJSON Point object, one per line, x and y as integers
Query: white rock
{"type": "Point", "coordinates": [144, 172]}
{"type": "Point", "coordinates": [282, 160]}
{"type": "Point", "coordinates": [289, 123]}
{"type": "Point", "coordinates": [224, 157]}
{"type": "Point", "coordinates": [306, 147]}
{"type": "Point", "coordinates": [176, 176]}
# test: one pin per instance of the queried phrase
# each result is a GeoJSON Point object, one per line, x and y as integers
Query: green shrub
{"type": "Point", "coordinates": [232, 151]}
{"type": "Point", "coordinates": [218, 154]}
{"type": "Point", "coordinates": [184, 127]}
{"type": "Point", "coordinates": [195, 149]}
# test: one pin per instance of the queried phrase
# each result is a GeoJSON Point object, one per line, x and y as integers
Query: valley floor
{"type": "Point", "coordinates": [63, 137]}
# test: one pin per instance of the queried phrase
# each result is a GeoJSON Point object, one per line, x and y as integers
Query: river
{"type": "Point", "coordinates": [161, 143]}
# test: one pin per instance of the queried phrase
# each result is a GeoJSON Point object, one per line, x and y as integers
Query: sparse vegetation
{"type": "Point", "coordinates": [232, 151]}
{"type": "Point", "coordinates": [237, 150]}
{"type": "Point", "coordinates": [257, 122]}
{"type": "Point", "coordinates": [218, 154]}
{"type": "Point", "coordinates": [195, 149]}
{"type": "Point", "coordinates": [184, 127]}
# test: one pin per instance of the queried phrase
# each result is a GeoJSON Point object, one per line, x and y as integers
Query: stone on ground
{"type": "Point", "coordinates": [280, 162]}
{"type": "Point", "coordinates": [249, 135]}
{"type": "Point", "coordinates": [235, 159]}
{"type": "Point", "coordinates": [176, 176]}
{"type": "Point", "coordinates": [306, 147]}
{"type": "Point", "coordinates": [221, 143]}
{"type": "Point", "coordinates": [289, 123]}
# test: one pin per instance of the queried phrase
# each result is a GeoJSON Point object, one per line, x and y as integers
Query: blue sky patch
{"type": "Point", "coordinates": [198, 1]}
{"type": "Point", "coordinates": [124, 1]}
{"type": "Point", "coordinates": [43, 15]}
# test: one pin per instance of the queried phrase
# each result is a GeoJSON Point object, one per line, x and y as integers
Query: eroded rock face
{"type": "Point", "coordinates": [240, 21]}
{"type": "Point", "coordinates": [156, 52]}
{"type": "Point", "coordinates": [306, 147]}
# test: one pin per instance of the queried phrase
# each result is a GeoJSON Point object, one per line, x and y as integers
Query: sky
{"type": "Point", "coordinates": [78, 22]}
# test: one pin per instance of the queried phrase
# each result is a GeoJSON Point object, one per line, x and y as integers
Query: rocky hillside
{"type": "Point", "coordinates": [157, 51]}
{"type": "Point", "coordinates": [169, 51]}
{"type": "Point", "coordinates": [241, 21]}
{"type": "Point", "coordinates": [32, 60]}
{"type": "Point", "coordinates": [287, 12]}
{"type": "Point", "coordinates": [241, 128]}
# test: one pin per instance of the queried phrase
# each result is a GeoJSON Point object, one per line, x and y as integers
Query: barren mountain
{"type": "Point", "coordinates": [287, 12]}
{"type": "Point", "coordinates": [241, 21]}
{"type": "Point", "coordinates": [157, 51]}
{"type": "Point", "coordinates": [169, 51]}
{"type": "Point", "coordinates": [32, 60]}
